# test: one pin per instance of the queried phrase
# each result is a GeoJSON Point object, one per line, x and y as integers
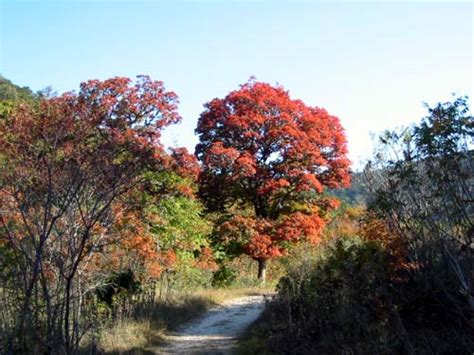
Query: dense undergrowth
{"type": "Point", "coordinates": [347, 298]}
{"type": "Point", "coordinates": [397, 277]}
{"type": "Point", "coordinates": [346, 301]}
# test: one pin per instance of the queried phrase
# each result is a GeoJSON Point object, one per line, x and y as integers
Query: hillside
{"type": "Point", "coordinates": [12, 92]}
{"type": "Point", "coordinates": [355, 194]}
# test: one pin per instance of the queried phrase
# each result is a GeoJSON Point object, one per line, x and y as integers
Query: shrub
{"type": "Point", "coordinates": [356, 295]}
{"type": "Point", "coordinates": [224, 277]}
{"type": "Point", "coordinates": [339, 300]}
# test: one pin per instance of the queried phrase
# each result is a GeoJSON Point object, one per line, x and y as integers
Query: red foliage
{"type": "Point", "coordinates": [185, 164]}
{"type": "Point", "coordinates": [206, 260]}
{"type": "Point", "coordinates": [298, 225]}
{"type": "Point", "coordinates": [377, 230]}
{"type": "Point", "coordinates": [259, 134]}
{"type": "Point", "coordinates": [331, 203]}
{"type": "Point", "coordinates": [260, 147]}
{"type": "Point", "coordinates": [168, 259]}
{"type": "Point", "coordinates": [71, 158]}
{"type": "Point", "coordinates": [271, 186]}
{"type": "Point", "coordinates": [238, 228]}
{"type": "Point", "coordinates": [262, 247]}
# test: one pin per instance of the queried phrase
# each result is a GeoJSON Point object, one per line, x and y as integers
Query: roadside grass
{"type": "Point", "coordinates": [150, 323]}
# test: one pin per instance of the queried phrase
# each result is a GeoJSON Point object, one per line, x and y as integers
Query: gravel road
{"type": "Point", "coordinates": [217, 331]}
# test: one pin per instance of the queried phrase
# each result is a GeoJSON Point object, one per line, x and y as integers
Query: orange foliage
{"type": "Point", "coordinates": [263, 238]}
{"type": "Point", "coordinates": [346, 224]}
{"type": "Point", "coordinates": [259, 134]}
{"type": "Point", "coordinates": [206, 260]}
{"type": "Point", "coordinates": [260, 147]}
{"type": "Point", "coordinates": [184, 164]}
{"type": "Point", "coordinates": [87, 148]}
{"type": "Point", "coordinates": [134, 243]}
{"type": "Point", "coordinates": [377, 230]}
{"type": "Point", "coordinates": [299, 225]}
{"type": "Point", "coordinates": [262, 247]}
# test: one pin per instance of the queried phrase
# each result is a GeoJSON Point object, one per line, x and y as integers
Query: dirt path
{"type": "Point", "coordinates": [216, 332]}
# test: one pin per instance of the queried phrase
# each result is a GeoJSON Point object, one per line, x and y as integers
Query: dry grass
{"type": "Point", "coordinates": [128, 337]}
{"type": "Point", "coordinates": [218, 296]}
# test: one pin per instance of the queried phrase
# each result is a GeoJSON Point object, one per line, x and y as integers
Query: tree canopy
{"type": "Point", "coordinates": [261, 148]}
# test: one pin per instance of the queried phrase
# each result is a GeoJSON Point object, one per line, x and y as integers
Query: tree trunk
{"type": "Point", "coordinates": [262, 270]}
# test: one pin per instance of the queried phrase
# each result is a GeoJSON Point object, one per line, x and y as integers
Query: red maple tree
{"type": "Point", "coordinates": [261, 148]}
{"type": "Point", "coordinates": [66, 162]}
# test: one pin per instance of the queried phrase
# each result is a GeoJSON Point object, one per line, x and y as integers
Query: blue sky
{"type": "Point", "coordinates": [371, 63]}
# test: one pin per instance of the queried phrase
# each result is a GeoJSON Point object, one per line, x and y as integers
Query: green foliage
{"type": "Point", "coordinates": [422, 183]}
{"type": "Point", "coordinates": [188, 277]}
{"type": "Point", "coordinates": [12, 92]}
{"type": "Point", "coordinates": [73, 164]}
{"type": "Point", "coordinates": [178, 220]}
{"type": "Point", "coordinates": [227, 247]}
{"type": "Point", "coordinates": [11, 95]}
{"type": "Point", "coordinates": [181, 222]}
{"type": "Point", "coordinates": [6, 108]}
{"type": "Point", "coordinates": [224, 277]}
{"type": "Point", "coordinates": [446, 130]}
{"type": "Point", "coordinates": [177, 223]}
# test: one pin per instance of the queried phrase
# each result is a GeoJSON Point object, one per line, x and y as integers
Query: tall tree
{"type": "Point", "coordinates": [64, 162]}
{"type": "Point", "coordinates": [260, 148]}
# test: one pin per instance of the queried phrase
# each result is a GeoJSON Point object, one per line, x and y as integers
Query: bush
{"type": "Point", "coordinates": [118, 284]}
{"type": "Point", "coordinates": [224, 277]}
{"type": "Point", "coordinates": [337, 301]}
{"type": "Point", "coordinates": [352, 298]}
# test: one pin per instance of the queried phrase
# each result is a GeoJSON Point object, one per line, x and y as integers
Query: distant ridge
{"type": "Point", "coordinates": [12, 92]}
